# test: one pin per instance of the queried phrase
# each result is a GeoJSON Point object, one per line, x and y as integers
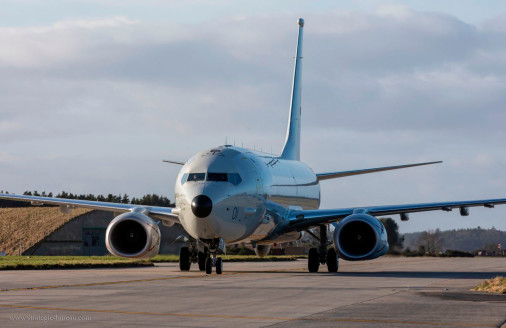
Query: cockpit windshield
{"type": "Point", "coordinates": [196, 177]}
{"type": "Point", "coordinates": [233, 178]}
{"type": "Point", "coordinates": [217, 177]}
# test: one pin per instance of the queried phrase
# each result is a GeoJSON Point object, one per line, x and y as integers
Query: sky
{"type": "Point", "coordinates": [95, 94]}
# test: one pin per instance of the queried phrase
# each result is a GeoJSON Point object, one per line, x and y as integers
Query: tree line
{"type": "Point", "coordinates": [456, 242]}
{"type": "Point", "coordinates": [148, 199]}
{"type": "Point", "coordinates": [467, 240]}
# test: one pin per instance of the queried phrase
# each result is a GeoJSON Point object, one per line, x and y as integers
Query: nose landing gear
{"type": "Point", "coordinates": [219, 265]}
{"type": "Point", "coordinates": [217, 262]}
{"type": "Point", "coordinates": [209, 265]}
{"type": "Point", "coordinates": [215, 246]}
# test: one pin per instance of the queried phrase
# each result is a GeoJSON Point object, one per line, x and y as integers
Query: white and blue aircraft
{"type": "Point", "coordinates": [230, 194]}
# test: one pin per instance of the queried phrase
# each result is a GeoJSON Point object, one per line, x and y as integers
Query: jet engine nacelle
{"type": "Point", "coordinates": [360, 237]}
{"type": "Point", "coordinates": [133, 235]}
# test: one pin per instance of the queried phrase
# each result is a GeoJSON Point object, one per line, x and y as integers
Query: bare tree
{"type": "Point", "coordinates": [431, 240]}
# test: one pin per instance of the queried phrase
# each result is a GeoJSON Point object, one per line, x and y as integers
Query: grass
{"type": "Point", "coordinates": [77, 262]}
{"type": "Point", "coordinates": [235, 258]}
{"type": "Point", "coordinates": [495, 285]}
{"type": "Point", "coordinates": [67, 262]}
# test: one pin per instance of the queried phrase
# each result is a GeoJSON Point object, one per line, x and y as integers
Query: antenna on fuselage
{"type": "Point", "coordinates": [291, 149]}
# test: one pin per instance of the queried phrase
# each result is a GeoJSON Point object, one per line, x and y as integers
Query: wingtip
{"type": "Point", "coordinates": [173, 162]}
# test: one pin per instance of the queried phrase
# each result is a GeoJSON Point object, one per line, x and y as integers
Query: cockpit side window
{"type": "Point", "coordinates": [183, 179]}
{"type": "Point", "coordinates": [217, 177]}
{"type": "Point", "coordinates": [196, 177]}
{"type": "Point", "coordinates": [234, 178]}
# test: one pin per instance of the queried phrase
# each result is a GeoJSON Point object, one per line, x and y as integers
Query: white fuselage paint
{"type": "Point", "coordinates": [253, 209]}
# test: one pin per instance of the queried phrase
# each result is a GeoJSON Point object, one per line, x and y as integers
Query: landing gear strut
{"type": "Point", "coordinates": [321, 255]}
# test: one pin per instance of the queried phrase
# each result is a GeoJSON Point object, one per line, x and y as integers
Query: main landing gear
{"type": "Point", "coordinates": [202, 257]}
{"type": "Point", "coordinates": [185, 259]}
{"type": "Point", "coordinates": [206, 259]}
{"type": "Point", "coordinates": [321, 255]}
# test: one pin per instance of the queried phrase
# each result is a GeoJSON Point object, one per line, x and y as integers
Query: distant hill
{"type": "Point", "coordinates": [466, 240]}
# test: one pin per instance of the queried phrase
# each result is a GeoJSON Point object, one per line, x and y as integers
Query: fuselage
{"type": "Point", "coordinates": [236, 194]}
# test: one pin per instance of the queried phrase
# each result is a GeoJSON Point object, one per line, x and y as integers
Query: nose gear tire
{"type": "Point", "coordinates": [219, 265]}
{"type": "Point", "coordinates": [209, 265]}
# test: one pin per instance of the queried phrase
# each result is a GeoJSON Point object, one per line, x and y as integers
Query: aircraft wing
{"type": "Point", "coordinates": [163, 213]}
{"type": "Point", "coordinates": [173, 162]}
{"type": "Point", "coordinates": [304, 219]}
{"type": "Point", "coordinates": [341, 174]}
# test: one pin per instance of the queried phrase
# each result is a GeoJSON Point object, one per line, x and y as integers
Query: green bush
{"type": "Point", "coordinates": [241, 250]}
{"type": "Point", "coordinates": [453, 253]}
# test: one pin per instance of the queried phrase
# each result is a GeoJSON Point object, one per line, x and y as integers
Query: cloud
{"type": "Point", "coordinates": [61, 42]}
{"type": "Point", "coordinates": [93, 105]}
{"type": "Point", "coordinates": [7, 158]}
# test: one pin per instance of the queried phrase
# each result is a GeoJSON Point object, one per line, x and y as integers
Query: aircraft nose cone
{"type": "Point", "coordinates": [202, 206]}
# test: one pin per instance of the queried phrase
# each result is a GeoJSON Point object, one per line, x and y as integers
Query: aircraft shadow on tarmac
{"type": "Point", "coordinates": [392, 274]}
{"type": "Point", "coordinates": [423, 274]}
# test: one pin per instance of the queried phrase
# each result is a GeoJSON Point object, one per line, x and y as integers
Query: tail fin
{"type": "Point", "coordinates": [291, 150]}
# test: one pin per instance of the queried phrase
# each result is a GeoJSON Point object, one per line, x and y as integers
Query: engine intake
{"type": "Point", "coordinates": [360, 237]}
{"type": "Point", "coordinates": [133, 235]}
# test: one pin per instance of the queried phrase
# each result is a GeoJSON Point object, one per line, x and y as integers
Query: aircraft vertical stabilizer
{"type": "Point", "coordinates": [291, 150]}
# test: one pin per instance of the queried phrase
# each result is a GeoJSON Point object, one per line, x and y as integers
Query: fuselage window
{"type": "Point", "coordinates": [183, 179]}
{"type": "Point", "coordinates": [234, 178]}
{"type": "Point", "coordinates": [196, 177]}
{"type": "Point", "coordinates": [217, 177]}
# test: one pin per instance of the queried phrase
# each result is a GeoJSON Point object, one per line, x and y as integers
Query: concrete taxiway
{"type": "Point", "coordinates": [387, 292]}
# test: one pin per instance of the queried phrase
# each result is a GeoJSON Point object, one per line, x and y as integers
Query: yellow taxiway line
{"type": "Point", "coordinates": [145, 280]}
